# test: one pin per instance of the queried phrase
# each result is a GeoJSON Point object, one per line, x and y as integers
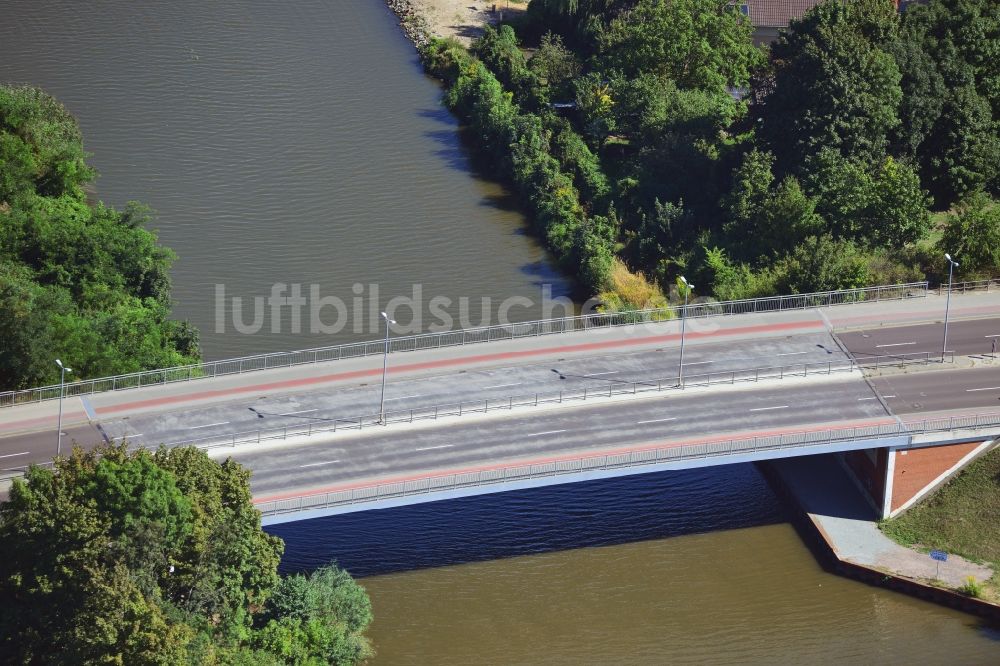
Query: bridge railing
{"type": "Point", "coordinates": [318, 425]}
{"type": "Point", "coordinates": [493, 333]}
{"type": "Point", "coordinates": [972, 285]}
{"type": "Point", "coordinates": [637, 458]}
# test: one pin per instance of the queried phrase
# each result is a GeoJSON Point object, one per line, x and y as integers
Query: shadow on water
{"type": "Point", "coordinates": [575, 515]}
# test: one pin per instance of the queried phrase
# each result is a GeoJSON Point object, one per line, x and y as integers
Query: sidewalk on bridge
{"type": "Point", "coordinates": [835, 506]}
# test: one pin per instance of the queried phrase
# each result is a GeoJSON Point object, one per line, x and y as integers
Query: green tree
{"type": "Point", "coordinates": [702, 44]}
{"type": "Point", "coordinates": [114, 556]}
{"type": "Point", "coordinates": [555, 66]}
{"type": "Point", "coordinates": [972, 235]}
{"type": "Point", "coordinates": [960, 143]}
{"type": "Point", "coordinates": [832, 86]}
{"type": "Point", "coordinates": [821, 263]}
{"type": "Point", "coordinates": [88, 283]}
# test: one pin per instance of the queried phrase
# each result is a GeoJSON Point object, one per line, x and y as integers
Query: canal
{"type": "Point", "coordinates": [299, 143]}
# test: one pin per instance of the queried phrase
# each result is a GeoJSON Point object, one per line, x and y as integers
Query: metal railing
{"type": "Point", "coordinates": [493, 333]}
{"type": "Point", "coordinates": [637, 458]}
{"type": "Point", "coordinates": [318, 425]}
{"type": "Point", "coordinates": [972, 285]}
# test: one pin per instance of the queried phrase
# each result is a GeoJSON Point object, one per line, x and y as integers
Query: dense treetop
{"type": "Point", "coordinates": [652, 137]}
{"type": "Point", "coordinates": [78, 280]}
{"type": "Point", "coordinates": [159, 558]}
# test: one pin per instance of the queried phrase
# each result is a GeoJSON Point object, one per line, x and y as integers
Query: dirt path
{"type": "Point", "coordinates": [462, 19]}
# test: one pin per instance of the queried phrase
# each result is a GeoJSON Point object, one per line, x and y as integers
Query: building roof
{"type": "Point", "coordinates": [777, 13]}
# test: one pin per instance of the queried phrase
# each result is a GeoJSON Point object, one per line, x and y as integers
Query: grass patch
{"type": "Point", "coordinates": [962, 518]}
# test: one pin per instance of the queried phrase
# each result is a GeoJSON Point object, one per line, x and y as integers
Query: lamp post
{"type": "Point", "coordinates": [951, 267]}
{"type": "Point", "coordinates": [62, 390]}
{"type": "Point", "coordinates": [385, 367]}
{"type": "Point", "coordinates": [680, 365]}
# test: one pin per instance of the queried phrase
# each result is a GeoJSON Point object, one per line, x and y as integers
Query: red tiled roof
{"type": "Point", "coordinates": [777, 13]}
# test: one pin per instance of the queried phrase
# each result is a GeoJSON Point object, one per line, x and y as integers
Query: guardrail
{"type": "Point", "coordinates": [462, 337]}
{"type": "Point", "coordinates": [972, 285]}
{"type": "Point", "coordinates": [639, 458]}
{"type": "Point", "coordinates": [319, 425]}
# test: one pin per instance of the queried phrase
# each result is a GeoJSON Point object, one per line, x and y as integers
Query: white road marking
{"type": "Point", "coordinates": [135, 434]}
{"type": "Point", "coordinates": [992, 388]}
{"type": "Point", "coordinates": [301, 411]}
{"type": "Point", "coordinates": [888, 396]}
{"type": "Point", "coordinates": [895, 344]}
{"type": "Point", "coordinates": [992, 336]}
{"type": "Point", "coordinates": [764, 409]}
{"type": "Point", "coordinates": [867, 399]}
{"type": "Point", "coordinates": [402, 397]}
{"type": "Point", "coordinates": [11, 455]}
{"type": "Point", "coordinates": [672, 418]}
{"type": "Point", "coordinates": [431, 448]}
{"type": "Point", "coordinates": [326, 462]}
{"type": "Point", "coordinates": [598, 374]}
{"type": "Point", "coordinates": [209, 425]}
{"type": "Point", "coordinates": [503, 385]}
{"type": "Point", "coordinates": [795, 353]}
{"type": "Point", "coordinates": [547, 432]}
{"type": "Point", "coordinates": [704, 362]}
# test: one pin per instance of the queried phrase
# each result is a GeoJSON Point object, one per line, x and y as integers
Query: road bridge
{"type": "Point", "coordinates": [579, 395]}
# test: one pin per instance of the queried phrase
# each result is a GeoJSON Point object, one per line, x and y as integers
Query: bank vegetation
{"type": "Point", "coordinates": [653, 137]}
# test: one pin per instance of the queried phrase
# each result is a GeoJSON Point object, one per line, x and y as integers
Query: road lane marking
{"type": "Point", "coordinates": [137, 434]}
{"type": "Point", "coordinates": [11, 455]}
{"type": "Point", "coordinates": [764, 409]}
{"type": "Point", "coordinates": [992, 336]}
{"type": "Point", "coordinates": [704, 362]}
{"type": "Point", "coordinates": [598, 374]}
{"type": "Point", "coordinates": [431, 448]}
{"type": "Point", "coordinates": [503, 385]}
{"type": "Point", "coordinates": [795, 353]}
{"type": "Point", "coordinates": [547, 432]}
{"type": "Point", "coordinates": [325, 462]}
{"type": "Point", "coordinates": [402, 397]}
{"type": "Point", "coordinates": [867, 399]}
{"type": "Point", "coordinates": [672, 418]}
{"type": "Point", "coordinates": [209, 425]}
{"type": "Point", "coordinates": [992, 388]}
{"type": "Point", "coordinates": [896, 344]}
{"type": "Point", "coordinates": [888, 396]}
{"type": "Point", "coordinates": [301, 411]}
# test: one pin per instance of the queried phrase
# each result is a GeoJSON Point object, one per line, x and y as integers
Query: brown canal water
{"type": "Point", "coordinates": [299, 142]}
{"type": "Point", "coordinates": [281, 142]}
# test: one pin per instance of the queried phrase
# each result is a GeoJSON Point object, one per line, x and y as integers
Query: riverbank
{"type": "Point", "coordinates": [842, 530]}
{"type": "Point", "coordinates": [963, 517]}
{"type": "Point", "coordinates": [460, 19]}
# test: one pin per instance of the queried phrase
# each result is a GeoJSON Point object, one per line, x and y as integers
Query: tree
{"type": "Point", "coordinates": [87, 282]}
{"type": "Point", "coordinates": [832, 86]}
{"type": "Point", "coordinates": [114, 556]}
{"type": "Point", "coordinates": [960, 143]}
{"type": "Point", "coordinates": [821, 263]}
{"type": "Point", "coordinates": [703, 44]}
{"type": "Point", "coordinates": [555, 66]}
{"type": "Point", "coordinates": [972, 235]}
{"type": "Point", "coordinates": [882, 207]}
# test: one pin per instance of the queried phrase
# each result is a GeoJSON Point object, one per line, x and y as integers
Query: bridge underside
{"type": "Point", "coordinates": [892, 472]}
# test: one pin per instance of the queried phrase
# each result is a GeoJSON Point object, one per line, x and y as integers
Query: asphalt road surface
{"type": "Point", "coordinates": [966, 337]}
{"type": "Point", "coordinates": [376, 453]}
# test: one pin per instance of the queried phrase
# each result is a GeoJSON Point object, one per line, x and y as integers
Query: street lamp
{"type": "Point", "coordinates": [62, 390]}
{"type": "Point", "coordinates": [385, 366]}
{"type": "Point", "coordinates": [680, 365]}
{"type": "Point", "coordinates": [951, 267]}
